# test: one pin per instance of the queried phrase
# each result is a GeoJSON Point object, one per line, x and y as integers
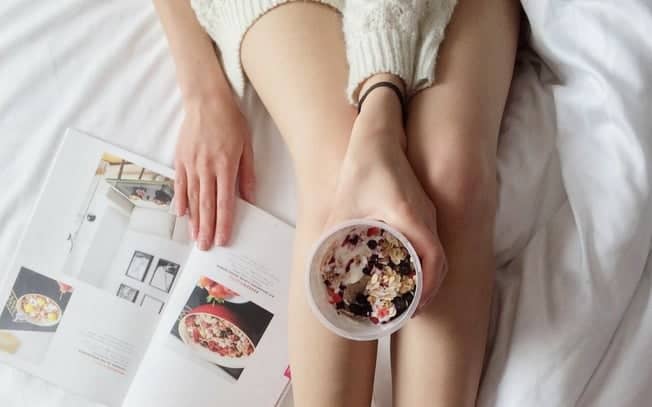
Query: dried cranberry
{"type": "Point", "coordinates": [374, 320]}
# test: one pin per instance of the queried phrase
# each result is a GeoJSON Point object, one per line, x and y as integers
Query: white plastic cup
{"type": "Point", "coordinates": [344, 325]}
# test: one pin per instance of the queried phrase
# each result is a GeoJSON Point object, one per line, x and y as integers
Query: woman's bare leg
{"type": "Point", "coordinates": [295, 59]}
{"type": "Point", "coordinates": [452, 137]}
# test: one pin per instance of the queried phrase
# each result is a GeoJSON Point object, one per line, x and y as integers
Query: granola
{"type": "Point", "coordinates": [369, 274]}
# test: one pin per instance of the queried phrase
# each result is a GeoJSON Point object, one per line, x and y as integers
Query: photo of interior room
{"type": "Point", "coordinates": [124, 226]}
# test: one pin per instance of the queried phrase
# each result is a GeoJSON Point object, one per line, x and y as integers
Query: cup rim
{"type": "Point", "coordinates": [394, 325]}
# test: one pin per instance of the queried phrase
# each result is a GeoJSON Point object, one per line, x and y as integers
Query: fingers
{"type": "Point", "coordinates": [207, 198]}
{"type": "Point", "coordinates": [180, 189]}
{"type": "Point", "coordinates": [210, 199]}
{"type": "Point", "coordinates": [247, 174]}
{"type": "Point", "coordinates": [433, 263]}
{"type": "Point", "coordinates": [193, 202]}
{"type": "Point", "coordinates": [431, 254]}
{"type": "Point", "coordinates": [225, 204]}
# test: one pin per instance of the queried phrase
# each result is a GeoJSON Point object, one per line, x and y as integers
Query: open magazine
{"type": "Point", "coordinates": [107, 297]}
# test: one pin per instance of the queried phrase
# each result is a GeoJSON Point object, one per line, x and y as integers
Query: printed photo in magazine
{"type": "Point", "coordinates": [221, 326]}
{"type": "Point", "coordinates": [32, 313]}
{"type": "Point", "coordinates": [124, 237]}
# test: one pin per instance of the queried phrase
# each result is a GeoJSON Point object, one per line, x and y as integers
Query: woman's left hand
{"type": "Point", "coordinates": [376, 181]}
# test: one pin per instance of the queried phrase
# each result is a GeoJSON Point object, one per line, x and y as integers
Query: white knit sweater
{"type": "Point", "coordinates": [401, 37]}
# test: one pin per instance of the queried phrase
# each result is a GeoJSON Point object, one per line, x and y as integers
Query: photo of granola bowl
{"type": "Point", "coordinates": [216, 335]}
{"type": "Point", "coordinates": [38, 309]}
{"type": "Point", "coordinates": [363, 279]}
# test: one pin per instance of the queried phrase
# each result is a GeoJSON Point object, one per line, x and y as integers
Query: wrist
{"type": "Point", "coordinates": [382, 77]}
{"type": "Point", "coordinates": [207, 96]}
{"type": "Point", "coordinates": [380, 102]}
{"type": "Point", "coordinates": [205, 86]}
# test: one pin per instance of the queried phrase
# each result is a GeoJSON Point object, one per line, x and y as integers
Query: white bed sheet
{"type": "Point", "coordinates": [574, 319]}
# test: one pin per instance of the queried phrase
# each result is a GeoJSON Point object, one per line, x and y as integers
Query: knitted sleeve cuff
{"type": "Point", "coordinates": [432, 35]}
{"type": "Point", "coordinates": [386, 51]}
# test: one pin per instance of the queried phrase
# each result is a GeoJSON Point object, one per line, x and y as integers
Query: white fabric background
{"type": "Point", "coordinates": [574, 317]}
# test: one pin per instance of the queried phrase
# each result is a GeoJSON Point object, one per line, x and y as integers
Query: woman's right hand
{"type": "Point", "coordinates": [213, 153]}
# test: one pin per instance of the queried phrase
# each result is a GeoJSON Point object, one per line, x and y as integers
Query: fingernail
{"type": "Point", "coordinates": [428, 301]}
{"type": "Point", "coordinates": [442, 275]}
{"type": "Point", "coordinates": [424, 305]}
{"type": "Point", "coordinates": [203, 244]}
{"type": "Point", "coordinates": [219, 240]}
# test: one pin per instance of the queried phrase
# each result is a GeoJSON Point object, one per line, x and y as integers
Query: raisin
{"type": "Point", "coordinates": [367, 308]}
{"type": "Point", "coordinates": [408, 297]}
{"type": "Point", "coordinates": [357, 309]}
{"type": "Point", "coordinates": [372, 244]}
{"type": "Point", "coordinates": [361, 299]}
{"type": "Point", "coordinates": [373, 259]}
{"type": "Point", "coordinates": [363, 310]}
{"type": "Point", "coordinates": [351, 239]}
{"type": "Point", "coordinates": [340, 305]}
{"type": "Point", "coordinates": [400, 304]}
{"type": "Point", "coordinates": [366, 270]}
{"type": "Point", "coordinates": [404, 267]}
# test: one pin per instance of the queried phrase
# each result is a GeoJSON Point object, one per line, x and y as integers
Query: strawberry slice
{"type": "Point", "coordinates": [333, 297]}
{"type": "Point", "coordinates": [373, 231]}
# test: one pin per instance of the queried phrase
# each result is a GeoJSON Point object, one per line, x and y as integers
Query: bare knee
{"type": "Point", "coordinates": [461, 181]}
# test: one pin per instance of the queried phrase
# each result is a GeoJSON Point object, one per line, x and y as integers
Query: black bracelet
{"type": "Point", "coordinates": [393, 87]}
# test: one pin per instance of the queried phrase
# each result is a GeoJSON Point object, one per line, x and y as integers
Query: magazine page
{"type": "Point", "coordinates": [222, 339]}
{"type": "Point", "coordinates": [96, 267]}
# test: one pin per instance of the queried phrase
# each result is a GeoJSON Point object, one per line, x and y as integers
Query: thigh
{"type": "Point", "coordinates": [295, 58]}
{"type": "Point", "coordinates": [452, 137]}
